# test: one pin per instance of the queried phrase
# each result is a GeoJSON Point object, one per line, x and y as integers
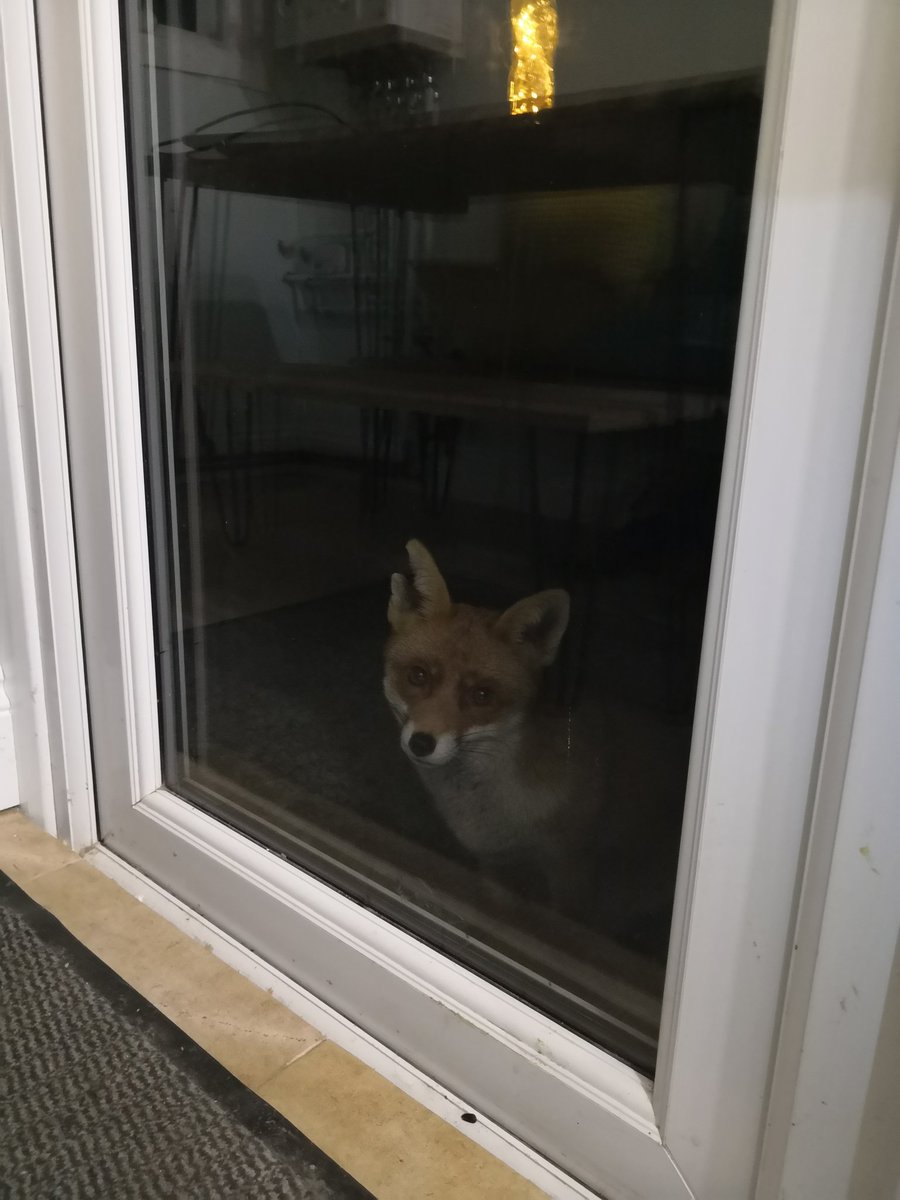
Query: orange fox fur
{"type": "Point", "coordinates": [465, 685]}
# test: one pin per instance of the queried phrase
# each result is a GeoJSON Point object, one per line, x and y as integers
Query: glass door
{"type": "Point", "coordinates": [439, 315]}
{"type": "Point", "coordinates": [425, 383]}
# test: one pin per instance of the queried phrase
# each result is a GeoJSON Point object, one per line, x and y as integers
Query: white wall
{"type": "Point", "coordinates": [9, 779]}
{"type": "Point", "coordinates": [19, 670]}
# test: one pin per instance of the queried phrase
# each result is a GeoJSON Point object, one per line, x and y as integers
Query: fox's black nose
{"type": "Point", "coordinates": [422, 744]}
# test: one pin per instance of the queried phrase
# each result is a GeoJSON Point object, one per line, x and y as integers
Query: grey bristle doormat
{"type": "Point", "coordinates": [102, 1096]}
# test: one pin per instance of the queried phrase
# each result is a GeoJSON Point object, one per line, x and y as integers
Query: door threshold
{"type": "Point", "coordinates": [325, 1074]}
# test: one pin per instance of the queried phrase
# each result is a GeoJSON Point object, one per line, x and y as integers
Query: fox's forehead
{"type": "Point", "coordinates": [460, 643]}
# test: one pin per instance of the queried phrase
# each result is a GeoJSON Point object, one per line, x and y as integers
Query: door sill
{"type": "Point", "coordinates": [343, 1032]}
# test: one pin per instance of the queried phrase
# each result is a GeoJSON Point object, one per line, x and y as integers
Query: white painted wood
{"type": "Point", "coordinates": [804, 359]}
{"type": "Point", "coordinates": [41, 636]}
{"type": "Point", "coordinates": [849, 916]}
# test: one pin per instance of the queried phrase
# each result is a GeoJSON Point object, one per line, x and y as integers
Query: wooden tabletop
{"type": "Point", "coordinates": [698, 132]}
{"type": "Point", "coordinates": [589, 408]}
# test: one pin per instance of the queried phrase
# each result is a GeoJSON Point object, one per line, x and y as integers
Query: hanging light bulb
{"type": "Point", "coordinates": [535, 32]}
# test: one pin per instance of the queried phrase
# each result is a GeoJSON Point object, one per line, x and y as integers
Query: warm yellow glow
{"type": "Point", "coordinates": [535, 32]}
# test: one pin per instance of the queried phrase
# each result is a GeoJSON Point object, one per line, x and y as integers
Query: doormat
{"type": "Point", "coordinates": [102, 1096]}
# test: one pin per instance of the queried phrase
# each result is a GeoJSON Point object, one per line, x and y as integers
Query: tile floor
{"type": "Point", "coordinates": [395, 1147]}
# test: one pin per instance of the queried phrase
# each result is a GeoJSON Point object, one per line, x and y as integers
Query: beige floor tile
{"type": "Point", "coordinates": [26, 851]}
{"type": "Point", "coordinates": [392, 1145]}
{"type": "Point", "coordinates": [239, 1024]}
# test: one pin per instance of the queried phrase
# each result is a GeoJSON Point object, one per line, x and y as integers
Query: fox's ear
{"type": "Point", "coordinates": [538, 621]}
{"type": "Point", "coordinates": [425, 594]}
{"type": "Point", "coordinates": [402, 602]}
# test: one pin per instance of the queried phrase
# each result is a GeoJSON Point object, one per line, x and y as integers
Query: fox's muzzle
{"type": "Point", "coordinates": [427, 749]}
{"type": "Point", "coordinates": [422, 744]}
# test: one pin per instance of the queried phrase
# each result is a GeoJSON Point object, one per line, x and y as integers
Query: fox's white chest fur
{"type": "Point", "coordinates": [487, 799]}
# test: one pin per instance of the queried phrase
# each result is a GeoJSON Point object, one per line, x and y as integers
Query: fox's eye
{"type": "Point", "coordinates": [482, 696]}
{"type": "Point", "coordinates": [417, 676]}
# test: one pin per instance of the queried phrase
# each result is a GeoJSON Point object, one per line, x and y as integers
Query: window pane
{"type": "Point", "coordinates": [438, 311]}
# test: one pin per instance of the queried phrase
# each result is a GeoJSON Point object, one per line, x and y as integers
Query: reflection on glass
{"type": "Point", "coordinates": [435, 399]}
{"type": "Point", "coordinates": [535, 31]}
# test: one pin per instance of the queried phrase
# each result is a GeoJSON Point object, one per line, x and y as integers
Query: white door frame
{"type": "Point", "coordinates": [847, 936]}
{"type": "Point", "coordinates": [813, 306]}
{"type": "Point", "coordinates": [41, 653]}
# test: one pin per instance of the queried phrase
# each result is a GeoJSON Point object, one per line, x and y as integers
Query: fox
{"type": "Point", "coordinates": [465, 685]}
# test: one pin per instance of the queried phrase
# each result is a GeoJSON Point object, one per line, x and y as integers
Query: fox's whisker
{"type": "Point", "coordinates": [492, 752]}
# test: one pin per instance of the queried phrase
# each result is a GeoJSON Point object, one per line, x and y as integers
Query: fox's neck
{"type": "Point", "coordinates": [499, 790]}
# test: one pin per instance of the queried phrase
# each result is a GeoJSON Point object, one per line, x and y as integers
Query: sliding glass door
{"type": "Point", "coordinates": [438, 573]}
{"type": "Point", "coordinates": [451, 299]}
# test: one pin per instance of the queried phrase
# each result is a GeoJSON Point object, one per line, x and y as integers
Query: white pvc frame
{"type": "Point", "coordinates": [40, 636]}
{"type": "Point", "coordinates": [814, 296]}
{"type": "Point", "coordinates": [844, 975]}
